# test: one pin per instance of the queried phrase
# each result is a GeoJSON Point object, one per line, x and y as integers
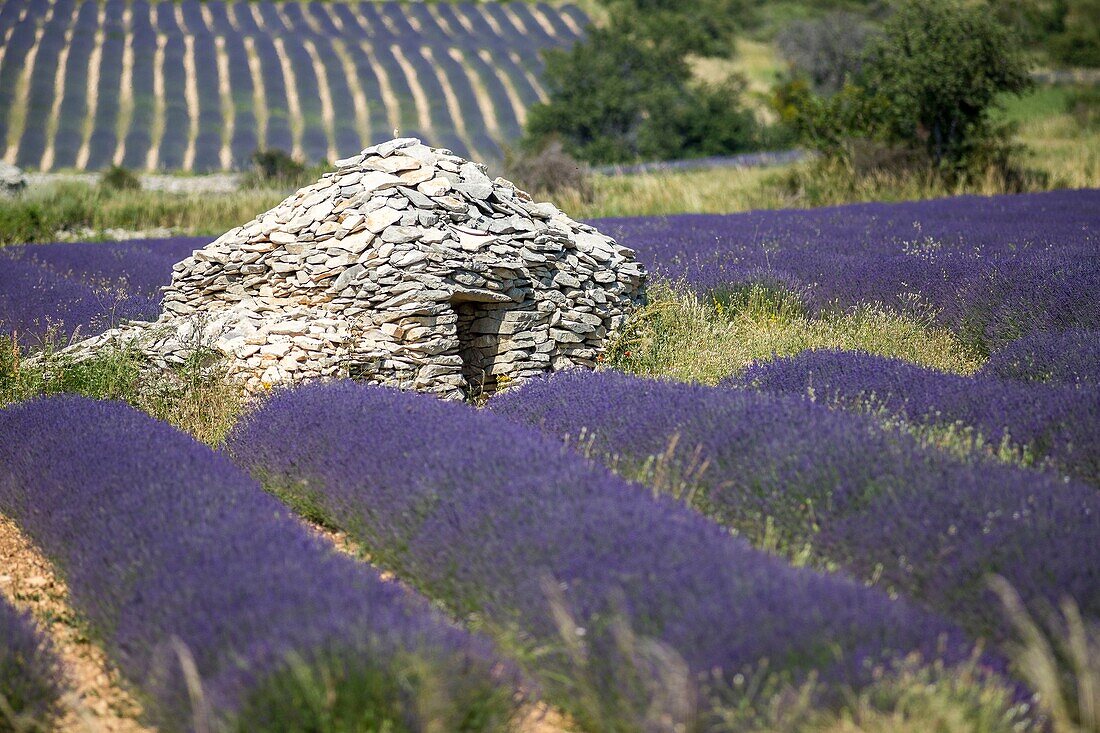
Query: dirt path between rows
{"type": "Point", "coordinates": [537, 718]}
{"type": "Point", "coordinates": [98, 703]}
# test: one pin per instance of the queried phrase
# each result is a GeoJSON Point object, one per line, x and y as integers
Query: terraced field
{"type": "Point", "coordinates": [198, 86]}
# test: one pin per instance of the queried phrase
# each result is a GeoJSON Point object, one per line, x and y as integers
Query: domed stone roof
{"type": "Point", "coordinates": [405, 266]}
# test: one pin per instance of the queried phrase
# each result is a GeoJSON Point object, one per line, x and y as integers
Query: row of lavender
{"type": "Point", "coordinates": [1056, 425]}
{"type": "Point", "coordinates": [257, 71]}
{"type": "Point", "coordinates": [213, 601]}
{"type": "Point", "coordinates": [625, 605]}
{"type": "Point", "coordinates": [65, 289]}
{"type": "Point", "coordinates": [991, 269]}
{"type": "Point", "coordinates": [30, 672]}
{"type": "Point", "coordinates": [789, 473]}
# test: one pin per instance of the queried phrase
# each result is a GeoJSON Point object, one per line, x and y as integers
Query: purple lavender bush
{"type": "Point", "coordinates": [66, 290]}
{"type": "Point", "coordinates": [30, 673]}
{"type": "Point", "coordinates": [992, 269]}
{"type": "Point", "coordinates": [1062, 357]}
{"type": "Point", "coordinates": [871, 500]}
{"type": "Point", "coordinates": [37, 305]}
{"type": "Point", "coordinates": [176, 557]}
{"type": "Point", "coordinates": [141, 266]}
{"type": "Point", "coordinates": [1053, 422]}
{"type": "Point", "coordinates": [497, 521]}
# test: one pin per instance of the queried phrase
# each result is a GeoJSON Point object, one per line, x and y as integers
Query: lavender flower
{"type": "Point", "coordinates": [479, 512]}
{"type": "Point", "coordinates": [63, 289]}
{"type": "Point", "coordinates": [993, 269]}
{"type": "Point", "coordinates": [1058, 422]}
{"type": "Point", "coordinates": [873, 501]}
{"type": "Point", "coordinates": [1065, 357]}
{"type": "Point", "coordinates": [174, 556]}
{"type": "Point", "coordinates": [30, 672]}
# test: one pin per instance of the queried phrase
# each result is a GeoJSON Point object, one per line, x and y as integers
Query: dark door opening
{"type": "Point", "coordinates": [478, 340]}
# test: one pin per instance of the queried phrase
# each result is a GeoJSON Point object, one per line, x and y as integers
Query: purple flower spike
{"type": "Point", "coordinates": [30, 671]}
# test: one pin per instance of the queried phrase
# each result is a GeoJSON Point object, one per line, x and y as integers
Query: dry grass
{"type": "Point", "coordinates": [683, 337]}
{"type": "Point", "coordinates": [1059, 659]}
{"type": "Point", "coordinates": [757, 61]}
{"type": "Point", "coordinates": [196, 397]}
{"type": "Point", "coordinates": [710, 191]}
{"type": "Point", "coordinates": [1059, 147]}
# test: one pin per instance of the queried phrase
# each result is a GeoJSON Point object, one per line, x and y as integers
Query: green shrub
{"type": "Point", "coordinates": [38, 214]}
{"type": "Point", "coordinates": [929, 84]}
{"type": "Point", "coordinates": [699, 27]}
{"type": "Point", "coordinates": [617, 97]}
{"type": "Point", "coordinates": [196, 396]}
{"type": "Point", "coordinates": [276, 168]}
{"type": "Point", "coordinates": [117, 178]}
{"type": "Point", "coordinates": [548, 171]}
{"type": "Point", "coordinates": [1084, 104]}
{"type": "Point", "coordinates": [1077, 40]}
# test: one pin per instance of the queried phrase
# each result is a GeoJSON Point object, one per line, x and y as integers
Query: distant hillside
{"type": "Point", "coordinates": [197, 86]}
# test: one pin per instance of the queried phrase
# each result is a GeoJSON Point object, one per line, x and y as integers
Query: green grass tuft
{"type": "Point", "coordinates": [336, 694]}
{"type": "Point", "coordinates": [681, 336]}
{"type": "Point", "coordinates": [196, 397]}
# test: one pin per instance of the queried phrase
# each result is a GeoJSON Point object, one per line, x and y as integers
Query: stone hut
{"type": "Point", "coordinates": [405, 266]}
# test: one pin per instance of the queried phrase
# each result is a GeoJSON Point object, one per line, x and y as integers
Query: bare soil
{"type": "Point", "coordinates": [98, 701]}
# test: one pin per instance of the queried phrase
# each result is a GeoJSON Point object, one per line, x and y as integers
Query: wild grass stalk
{"type": "Point", "coordinates": [197, 396]}
{"type": "Point", "coordinates": [684, 336]}
{"type": "Point", "coordinates": [1059, 657]}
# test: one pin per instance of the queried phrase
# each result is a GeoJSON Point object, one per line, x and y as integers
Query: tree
{"type": "Point", "coordinates": [1078, 42]}
{"type": "Point", "coordinates": [928, 82]}
{"type": "Point", "coordinates": [615, 98]}
{"type": "Point", "coordinates": [826, 50]}
{"type": "Point", "coordinates": [601, 91]}
{"type": "Point", "coordinates": [697, 27]}
{"type": "Point", "coordinates": [935, 75]}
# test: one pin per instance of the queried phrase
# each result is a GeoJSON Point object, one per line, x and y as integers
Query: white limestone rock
{"type": "Point", "coordinates": [405, 266]}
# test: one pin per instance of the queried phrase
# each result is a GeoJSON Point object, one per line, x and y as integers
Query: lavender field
{"type": "Point", "coordinates": [199, 86]}
{"type": "Point", "coordinates": [832, 540]}
{"type": "Point", "coordinates": [993, 269]}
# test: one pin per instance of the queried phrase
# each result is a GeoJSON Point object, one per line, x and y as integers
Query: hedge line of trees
{"type": "Point", "coordinates": [923, 83]}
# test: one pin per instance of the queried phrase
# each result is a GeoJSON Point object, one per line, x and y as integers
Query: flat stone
{"type": "Point", "coordinates": [349, 162]}
{"type": "Point", "coordinates": [381, 218]}
{"type": "Point", "coordinates": [409, 258]}
{"type": "Point", "coordinates": [474, 242]}
{"type": "Point", "coordinates": [347, 276]}
{"type": "Point", "coordinates": [400, 234]}
{"type": "Point", "coordinates": [437, 186]}
{"type": "Point", "coordinates": [416, 175]}
{"type": "Point", "coordinates": [472, 182]}
{"type": "Point", "coordinates": [416, 198]}
{"type": "Point", "coordinates": [393, 164]}
{"type": "Point", "coordinates": [379, 181]}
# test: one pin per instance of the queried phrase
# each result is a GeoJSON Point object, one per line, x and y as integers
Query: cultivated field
{"type": "Point", "coordinates": [840, 474]}
{"type": "Point", "coordinates": [811, 446]}
{"type": "Point", "coordinates": [198, 86]}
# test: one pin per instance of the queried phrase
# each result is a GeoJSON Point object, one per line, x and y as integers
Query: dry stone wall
{"type": "Point", "coordinates": [405, 266]}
